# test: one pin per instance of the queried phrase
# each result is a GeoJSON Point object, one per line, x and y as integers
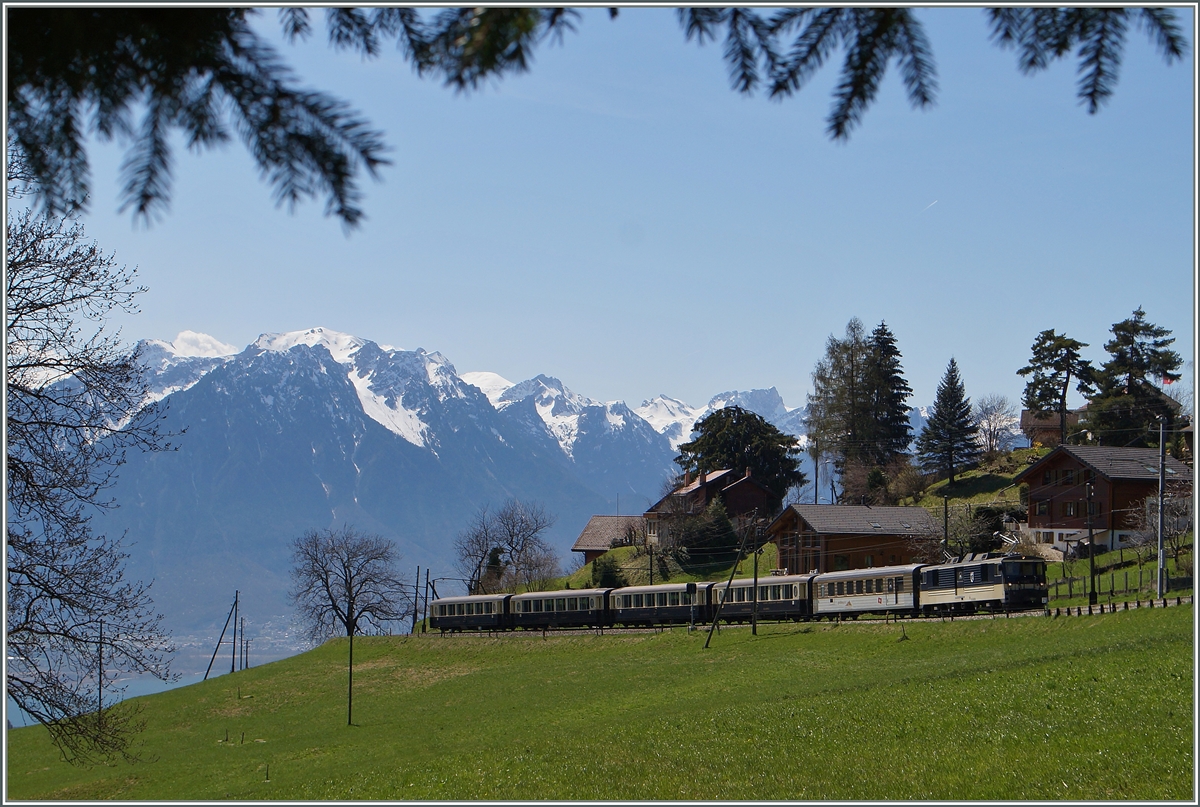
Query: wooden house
{"type": "Point", "coordinates": [602, 533]}
{"type": "Point", "coordinates": [1121, 479]}
{"type": "Point", "coordinates": [833, 537]}
{"type": "Point", "coordinates": [742, 496]}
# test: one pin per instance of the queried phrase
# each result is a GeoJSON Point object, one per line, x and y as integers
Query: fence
{"type": "Point", "coordinates": [1113, 583]}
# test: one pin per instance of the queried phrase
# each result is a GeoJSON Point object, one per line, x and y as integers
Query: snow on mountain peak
{"type": "Point", "coordinates": [190, 344]}
{"type": "Point", "coordinates": [493, 385]}
{"type": "Point", "coordinates": [340, 345]}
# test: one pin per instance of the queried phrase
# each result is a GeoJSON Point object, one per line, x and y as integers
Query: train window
{"type": "Point", "coordinates": [890, 582]}
{"type": "Point", "coordinates": [488, 608]}
{"type": "Point", "coordinates": [560, 604]}
{"type": "Point", "coordinates": [796, 591]}
{"type": "Point", "coordinates": [537, 606]}
{"type": "Point", "coordinates": [660, 599]}
{"type": "Point", "coordinates": [840, 591]}
{"type": "Point", "coordinates": [775, 592]}
{"type": "Point", "coordinates": [572, 603]}
{"type": "Point", "coordinates": [673, 599]}
{"type": "Point", "coordinates": [637, 600]}
{"type": "Point", "coordinates": [460, 609]}
{"type": "Point", "coordinates": [858, 587]}
{"type": "Point", "coordinates": [899, 584]}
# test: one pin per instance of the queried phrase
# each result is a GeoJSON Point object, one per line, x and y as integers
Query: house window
{"type": "Point", "coordinates": [652, 529]}
{"type": "Point", "coordinates": [1068, 477]}
{"type": "Point", "coordinates": [1041, 508]}
{"type": "Point", "coordinates": [1094, 508]}
{"type": "Point", "coordinates": [1047, 477]}
{"type": "Point", "coordinates": [870, 561]}
{"type": "Point", "coordinates": [1070, 509]}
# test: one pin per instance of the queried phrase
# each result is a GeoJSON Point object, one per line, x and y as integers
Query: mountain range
{"type": "Point", "coordinates": [314, 429]}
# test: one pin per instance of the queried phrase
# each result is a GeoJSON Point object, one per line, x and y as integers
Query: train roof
{"type": "Point", "coordinates": [874, 571]}
{"type": "Point", "coordinates": [566, 592]}
{"type": "Point", "coordinates": [770, 580]}
{"type": "Point", "coordinates": [471, 598]}
{"type": "Point", "coordinates": [656, 587]}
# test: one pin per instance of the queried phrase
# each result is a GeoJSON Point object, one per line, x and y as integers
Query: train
{"type": "Point", "coordinates": [985, 582]}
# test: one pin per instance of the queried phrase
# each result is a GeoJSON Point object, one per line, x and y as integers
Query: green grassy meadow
{"type": "Point", "coordinates": [1022, 708]}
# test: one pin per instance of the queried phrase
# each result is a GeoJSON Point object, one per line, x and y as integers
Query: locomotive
{"type": "Point", "coordinates": [982, 582]}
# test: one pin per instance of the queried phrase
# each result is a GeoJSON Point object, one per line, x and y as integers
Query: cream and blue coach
{"type": "Point", "coordinates": [887, 589]}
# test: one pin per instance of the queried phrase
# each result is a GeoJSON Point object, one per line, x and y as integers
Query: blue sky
{"type": "Point", "coordinates": [620, 218]}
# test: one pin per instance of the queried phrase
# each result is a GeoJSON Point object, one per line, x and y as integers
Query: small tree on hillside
{"type": "Point", "coordinates": [948, 442]}
{"type": "Point", "coordinates": [344, 582]}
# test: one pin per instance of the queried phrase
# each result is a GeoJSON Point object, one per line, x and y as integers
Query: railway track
{"type": "Point", "coordinates": [1082, 610]}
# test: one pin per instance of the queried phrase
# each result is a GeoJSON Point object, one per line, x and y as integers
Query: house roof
{"type": "Point", "coordinates": [602, 532]}
{"type": "Point", "coordinates": [1115, 462]}
{"type": "Point", "coordinates": [1029, 420]}
{"type": "Point", "coordinates": [857, 519]}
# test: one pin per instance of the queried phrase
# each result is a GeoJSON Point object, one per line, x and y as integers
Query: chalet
{"type": "Point", "coordinates": [1121, 479]}
{"type": "Point", "coordinates": [833, 537]}
{"type": "Point", "coordinates": [741, 495]}
{"type": "Point", "coordinates": [602, 533]}
{"type": "Point", "coordinates": [1047, 429]}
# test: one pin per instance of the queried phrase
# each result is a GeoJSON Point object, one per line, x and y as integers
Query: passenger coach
{"type": "Point", "coordinates": [479, 612]}
{"type": "Point", "coordinates": [888, 589]}
{"type": "Point", "coordinates": [783, 597]}
{"type": "Point", "coordinates": [571, 608]}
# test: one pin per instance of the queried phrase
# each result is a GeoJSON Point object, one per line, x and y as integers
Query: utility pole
{"type": "Point", "coordinates": [946, 522]}
{"type": "Point", "coordinates": [100, 679]}
{"type": "Point", "coordinates": [416, 599]}
{"type": "Point", "coordinates": [754, 604]}
{"type": "Point", "coordinates": [221, 639]}
{"type": "Point", "coordinates": [233, 654]}
{"type": "Point", "coordinates": [816, 472]}
{"type": "Point", "coordinates": [729, 583]}
{"type": "Point", "coordinates": [651, 547]}
{"type": "Point", "coordinates": [426, 609]}
{"type": "Point", "coordinates": [1162, 486]}
{"type": "Point", "coordinates": [242, 645]}
{"type": "Point", "coordinates": [1091, 549]}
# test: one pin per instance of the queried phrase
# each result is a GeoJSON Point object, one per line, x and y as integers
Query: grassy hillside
{"type": "Point", "coordinates": [1029, 708]}
{"type": "Point", "coordinates": [989, 482]}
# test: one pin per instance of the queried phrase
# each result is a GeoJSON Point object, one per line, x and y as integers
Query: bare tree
{"type": "Point", "coordinates": [346, 581]}
{"type": "Point", "coordinates": [518, 527]}
{"type": "Point", "coordinates": [73, 407]}
{"type": "Point", "coordinates": [478, 555]}
{"type": "Point", "coordinates": [1177, 523]}
{"type": "Point", "coordinates": [995, 417]}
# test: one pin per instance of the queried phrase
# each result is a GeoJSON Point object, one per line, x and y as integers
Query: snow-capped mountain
{"type": "Point", "coordinates": [675, 419]}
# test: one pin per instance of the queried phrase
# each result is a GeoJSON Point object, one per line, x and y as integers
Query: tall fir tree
{"type": "Point", "coordinates": [888, 393]}
{"type": "Point", "coordinates": [1126, 409]}
{"type": "Point", "coordinates": [948, 442]}
{"type": "Point", "coordinates": [1054, 362]}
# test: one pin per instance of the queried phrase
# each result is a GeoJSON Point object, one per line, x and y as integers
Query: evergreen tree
{"type": "Point", "coordinates": [838, 407]}
{"type": "Point", "coordinates": [1125, 411]}
{"type": "Point", "coordinates": [887, 395]}
{"type": "Point", "coordinates": [709, 535]}
{"type": "Point", "coordinates": [948, 441]}
{"type": "Point", "coordinates": [736, 439]}
{"type": "Point", "coordinates": [1055, 361]}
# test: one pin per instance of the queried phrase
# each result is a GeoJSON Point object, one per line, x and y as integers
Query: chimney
{"type": "Point", "coordinates": [687, 478]}
{"type": "Point", "coordinates": [703, 477]}
{"type": "Point", "coordinates": [747, 472]}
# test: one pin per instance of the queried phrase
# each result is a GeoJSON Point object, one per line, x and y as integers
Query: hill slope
{"type": "Point", "coordinates": [1028, 708]}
